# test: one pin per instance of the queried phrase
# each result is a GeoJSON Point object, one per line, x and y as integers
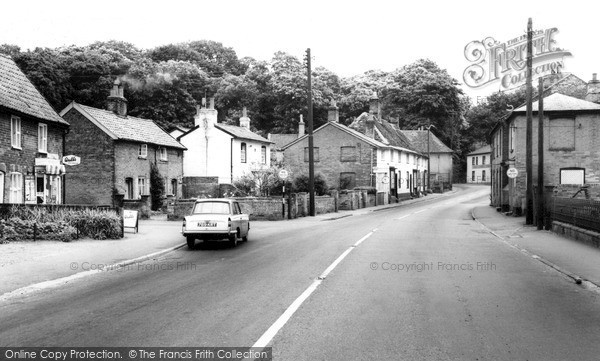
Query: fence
{"type": "Point", "coordinates": [583, 213]}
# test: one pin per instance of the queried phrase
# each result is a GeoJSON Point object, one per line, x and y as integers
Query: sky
{"type": "Point", "coordinates": [346, 37]}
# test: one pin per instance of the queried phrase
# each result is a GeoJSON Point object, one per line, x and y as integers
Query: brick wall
{"type": "Point", "coordinates": [585, 137]}
{"type": "Point", "coordinates": [329, 140]}
{"type": "Point", "coordinates": [23, 160]}
{"type": "Point", "coordinates": [90, 182]}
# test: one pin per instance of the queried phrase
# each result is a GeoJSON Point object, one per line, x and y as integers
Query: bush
{"type": "Point", "coordinates": [58, 224]}
{"type": "Point", "coordinates": [300, 184]}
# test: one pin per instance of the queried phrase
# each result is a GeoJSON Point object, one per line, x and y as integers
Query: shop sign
{"type": "Point", "coordinates": [130, 219]}
{"type": "Point", "coordinates": [493, 62]}
{"type": "Point", "coordinates": [71, 160]}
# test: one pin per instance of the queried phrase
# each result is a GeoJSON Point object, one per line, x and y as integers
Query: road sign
{"type": "Point", "coordinates": [385, 179]}
{"type": "Point", "coordinates": [512, 172]}
{"type": "Point", "coordinates": [283, 174]}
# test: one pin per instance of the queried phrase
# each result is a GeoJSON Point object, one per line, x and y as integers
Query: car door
{"type": "Point", "coordinates": [243, 219]}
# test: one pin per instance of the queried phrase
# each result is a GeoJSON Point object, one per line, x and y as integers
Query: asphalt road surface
{"type": "Point", "coordinates": [420, 281]}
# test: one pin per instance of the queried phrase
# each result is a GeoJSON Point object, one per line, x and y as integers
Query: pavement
{"type": "Point", "coordinates": [577, 261]}
{"type": "Point", "coordinates": [29, 266]}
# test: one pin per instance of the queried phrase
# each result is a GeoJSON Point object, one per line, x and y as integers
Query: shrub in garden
{"type": "Point", "coordinates": [97, 224]}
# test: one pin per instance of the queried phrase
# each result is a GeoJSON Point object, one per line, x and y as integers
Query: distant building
{"type": "Point", "coordinates": [31, 141]}
{"type": "Point", "coordinates": [116, 152]}
{"type": "Point", "coordinates": [281, 140]}
{"type": "Point", "coordinates": [222, 151]}
{"type": "Point", "coordinates": [479, 165]}
{"type": "Point", "coordinates": [441, 161]}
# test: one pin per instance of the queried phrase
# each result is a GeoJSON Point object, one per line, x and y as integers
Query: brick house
{"type": "Point", "coordinates": [571, 148]}
{"type": "Point", "coordinates": [32, 141]}
{"type": "Point", "coordinates": [222, 151]}
{"type": "Point", "coordinates": [280, 140]}
{"type": "Point", "coordinates": [371, 152]}
{"type": "Point", "coordinates": [116, 152]}
{"type": "Point", "coordinates": [479, 165]}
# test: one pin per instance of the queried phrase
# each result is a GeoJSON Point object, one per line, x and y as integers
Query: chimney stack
{"type": "Point", "coordinates": [593, 90]}
{"type": "Point", "coordinates": [301, 127]}
{"type": "Point", "coordinates": [206, 116]}
{"type": "Point", "coordinates": [374, 106]}
{"type": "Point", "coordinates": [244, 120]}
{"type": "Point", "coordinates": [333, 113]}
{"type": "Point", "coordinates": [116, 102]}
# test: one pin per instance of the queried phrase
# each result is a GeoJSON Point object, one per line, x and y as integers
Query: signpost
{"type": "Point", "coordinates": [130, 219]}
{"type": "Point", "coordinates": [283, 174]}
{"type": "Point", "coordinates": [512, 173]}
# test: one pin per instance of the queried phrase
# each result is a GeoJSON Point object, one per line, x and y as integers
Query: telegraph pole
{"type": "Point", "coordinates": [528, 144]}
{"type": "Point", "coordinates": [311, 159]}
{"type": "Point", "coordinates": [540, 180]}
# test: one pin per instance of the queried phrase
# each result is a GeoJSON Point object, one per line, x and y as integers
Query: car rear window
{"type": "Point", "coordinates": [211, 208]}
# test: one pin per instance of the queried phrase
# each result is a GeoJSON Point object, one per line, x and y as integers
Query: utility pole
{"type": "Point", "coordinates": [311, 159]}
{"type": "Point", "coordinates": [428, 159]}
{"type": "Point", "coordinates": [540, 180]}
{"type": "Point", "coordinates": [528, 135]}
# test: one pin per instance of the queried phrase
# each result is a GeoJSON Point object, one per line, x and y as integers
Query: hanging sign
{"type": "Point", "coordinates": [71, 160]}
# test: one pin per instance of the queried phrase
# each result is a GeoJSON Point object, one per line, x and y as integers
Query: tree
{"type": "Point", "coordinates": [355, 93]}
{"type": "Point", "coordinates": [422, 93]}
{"type": "Point", "coordinates": [157, 187]}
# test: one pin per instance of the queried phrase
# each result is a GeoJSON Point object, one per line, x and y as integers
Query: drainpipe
{"type": "Point", "coordinates": [64, 152]}
{"type": "Point", "coordinates": [231, 160]}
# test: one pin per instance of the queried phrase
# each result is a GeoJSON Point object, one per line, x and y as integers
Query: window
{"type": "Point", "coordinates": [483, 159]}
{"type": "Point", "coordinates": [16, 188]}
{"type": "Point", "coordinates": [162, 152]}
{"type": "Point", "coordinates": [476, 160]}
{"type": "Point", "coordinates": [15, 132]}
{"type": "Point", "coordinates": [348, 154]}
{"type": "Point", "coordinates": [42, 138]}
{"type": "Point", "coordinates": [142, 187]}
{"type": "Point", "coordinates": [143, 152]}
{"type": "Point", "coordinates": [128, 188]}
{"type": "Point", "coordinates": [483, 176]}
{"type": "Point", "coordinates": [407, 158]}
{"type": "Point", "coordinates": [562, 134]}
{"type": "Point", "coordinates": [407, 177]}
{"type": "Point", "coordinates": [243, 153]}
{"type": "Point", "coordinates": [315, 154]}
{"type": "Point", "coordinates": [472, 176]}
{"type": "Point", "coordinates": [211, 208]}
{"type": "Point", "coordinates": [513, 137]}
{"type": "Point", "coordinates": [572, 176]}
{"type": "Point", "coordinates": [263, 154]}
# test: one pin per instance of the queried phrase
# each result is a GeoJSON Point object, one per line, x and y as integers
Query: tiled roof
{"type": "Point", "coordinates": [558, 102]}
{"type": "Point", "coordinates": [19, 94]}
{"type": "Point", "coordinates": [483, 150]}
{"type": "Point", "coordinates": [393, 135]}
{"type": "Point", "coordinates": [282, 140]}
{"type": "Point", "coordinates": [343, 128]}
{"type": "Point", "coordinates": [418, 138]}
{"type": "Point", "coordinates": [128, 128]}
{"type": "Point", "coordinates": [241, 132]}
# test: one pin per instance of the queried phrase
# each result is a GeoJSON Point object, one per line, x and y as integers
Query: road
{"type": "Point", "coordinates": [424, 282]}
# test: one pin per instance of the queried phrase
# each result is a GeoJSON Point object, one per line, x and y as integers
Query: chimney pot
{"type": "Point", "coordinates": [116, 102]}
{"type": "Point", "coordinates": [300, 127]}
{"type": "Point", "coordinates": [244, 120]}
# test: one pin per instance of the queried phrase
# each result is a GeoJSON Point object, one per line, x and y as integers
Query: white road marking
{"type": "Point", "coordinates": [264, 340]}
{"type": "Point", "coordinates": [408, 215]}
{"type": "Point", "coordinates": [422, 210]}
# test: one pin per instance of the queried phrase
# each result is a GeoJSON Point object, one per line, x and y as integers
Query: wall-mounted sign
{"type": "Point", "coordinates": [385, 179]}
{"type": "Point", "coordinates": [71, 160]}
{"type": "Point", "coordinates": [512, 172]}
{"type": "Point", "coordinates": [505, 63]}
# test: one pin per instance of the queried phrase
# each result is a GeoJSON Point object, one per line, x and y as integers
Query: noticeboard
{"type": "Point", "coordinates": [130, 219]}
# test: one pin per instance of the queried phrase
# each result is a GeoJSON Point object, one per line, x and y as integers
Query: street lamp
{"type": "Point", "coordinates": [428, 159]}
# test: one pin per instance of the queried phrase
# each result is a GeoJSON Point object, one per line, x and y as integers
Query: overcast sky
{"type": "Point", "coordinates": [347, 37]}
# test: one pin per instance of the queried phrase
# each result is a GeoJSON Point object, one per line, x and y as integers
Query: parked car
{"type": "Point", "coordinates": [215, 220]}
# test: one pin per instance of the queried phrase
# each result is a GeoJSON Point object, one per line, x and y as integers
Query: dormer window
{"type": "Point", "coordinates": [162, 153]}
{"type": "Point", "coordinates": [143, 151]}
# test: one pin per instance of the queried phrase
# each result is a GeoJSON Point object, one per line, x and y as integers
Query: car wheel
{"type": "Point", "coordinates": [191, 242]}
{"type": "Point", "coordinates": [233, 240]}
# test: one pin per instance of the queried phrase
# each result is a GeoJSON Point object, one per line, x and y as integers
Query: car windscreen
{"type": "Point", "coordinates": [211, 208]}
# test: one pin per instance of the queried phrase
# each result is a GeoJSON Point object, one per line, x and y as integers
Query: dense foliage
{"type": "Point", "coordinates": [166, 84]}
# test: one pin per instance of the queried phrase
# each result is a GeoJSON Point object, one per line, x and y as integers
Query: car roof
{"type": "Point", "coordinates": [227, 200]}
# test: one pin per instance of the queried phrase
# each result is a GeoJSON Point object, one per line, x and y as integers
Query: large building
{"type": "Point", "coordinates": [371, 152]}
{"type": "Point", "coordinates": [117, 152]}
{"type": "Point", "coordinates": [32, 137]}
